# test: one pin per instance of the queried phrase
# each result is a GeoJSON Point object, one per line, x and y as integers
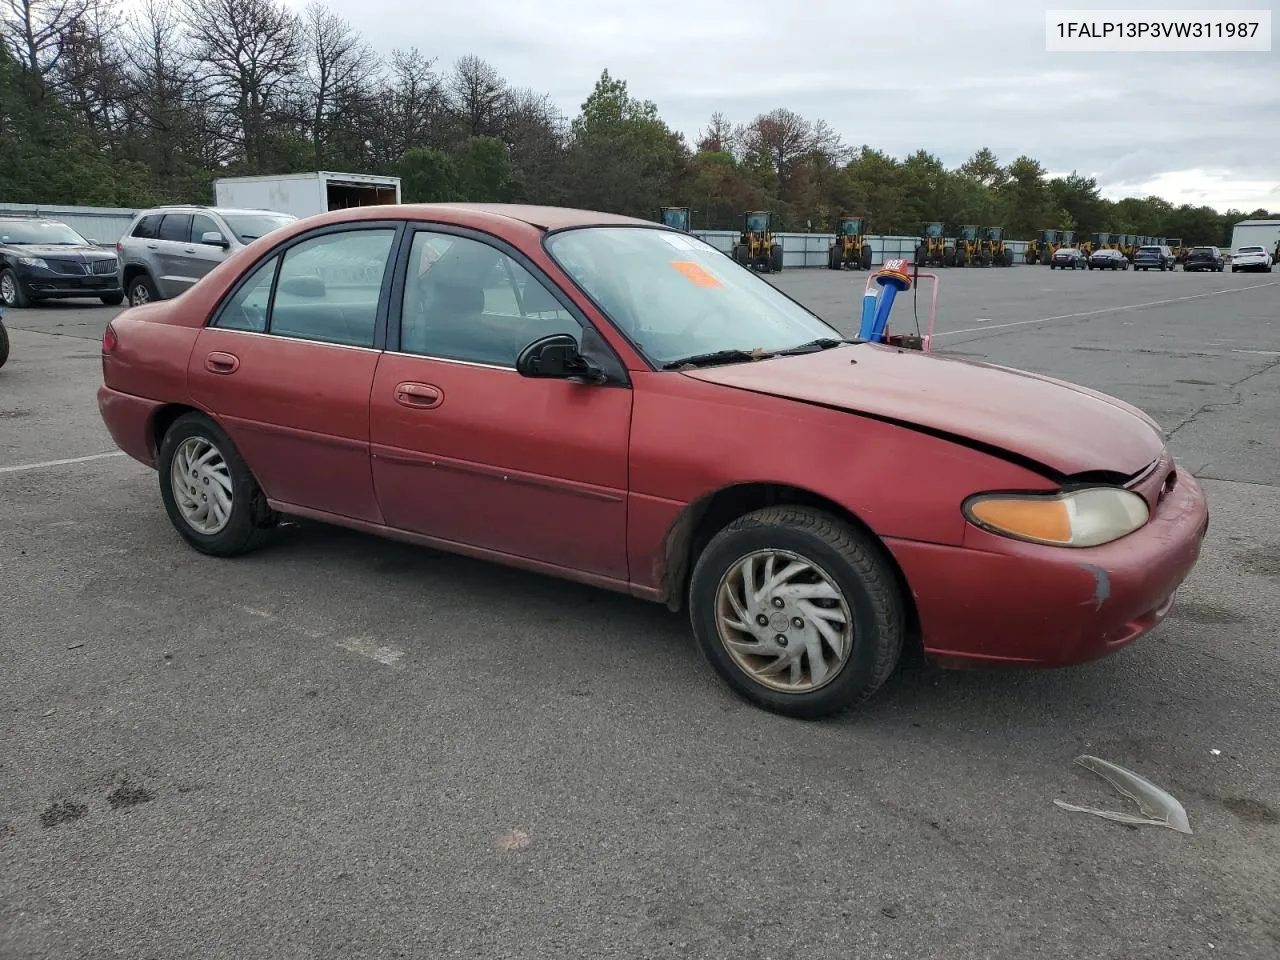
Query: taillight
{"type": "Point", "coordinates": [109, 339]}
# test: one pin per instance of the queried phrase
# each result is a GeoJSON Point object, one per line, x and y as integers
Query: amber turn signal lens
{"type": "Point", "coordinates": [1043, 520]}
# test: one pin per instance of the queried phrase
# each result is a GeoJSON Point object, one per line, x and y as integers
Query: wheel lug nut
{"type": "Point", "coordinates": [777, 602]}
{"type": "Point", "coordinates": [797, 623]}
{"type": "Point", "coordinates": [762, 620]}
{"type": "Point", "coordinates": [781, 640]}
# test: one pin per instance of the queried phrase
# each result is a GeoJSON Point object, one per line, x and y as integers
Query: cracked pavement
{"type": "Point", "coordinates": [345, 747]}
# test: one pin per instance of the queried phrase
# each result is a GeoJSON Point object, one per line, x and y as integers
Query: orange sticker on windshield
{"type": "Point", "coordinates": [695, 273]}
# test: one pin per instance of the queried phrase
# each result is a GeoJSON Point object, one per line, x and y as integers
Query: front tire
{"type": "Point", "coordinates": [112, 299]}
{"type": "Point", "coordinates": [798, 612]}
{"type": "Point", "coordinates": [11, 292]}
{"type": "Point", "coordinates": [211, 497]}
{"type": "Point", "coordinates": [4, 345]}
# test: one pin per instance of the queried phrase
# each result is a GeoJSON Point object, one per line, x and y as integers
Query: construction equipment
{"type": "Point", "coordinates": [850, 247]}
{"type": "Point", "coordinates": [1041, 249]}
{"type": "Point", "coordinates": [756, 248]}
{"type": "Point", "coordinates": [933, 250]}
{"type": "Point", "coordinates": [992, 250]}
{"type": "Point", "coordinates": [675, 217]}
{"type": "Point", "coordinates": [1068, 239]}
{"type": "Point", "coordinates": [1102, 241]}
{"type": "Point", "coordinates": [1179, 251]}
{"type": "Point", "coordinates": [966, 246]}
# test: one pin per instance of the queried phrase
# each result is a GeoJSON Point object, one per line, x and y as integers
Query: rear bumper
{"type": "Point", "coordinates": [129, 421]}
{"type": "Point", "coordinates": [1000, 601]}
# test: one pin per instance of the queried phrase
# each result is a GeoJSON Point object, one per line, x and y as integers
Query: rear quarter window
{"type": "Point", "coordinates": [147, 227]}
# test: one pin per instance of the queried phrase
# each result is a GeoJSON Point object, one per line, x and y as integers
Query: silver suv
{"type": "Point", "coordinates": [167, 249]}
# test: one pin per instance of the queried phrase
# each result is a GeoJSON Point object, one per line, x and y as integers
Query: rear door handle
{"type": "Point", "coordinates": [219, 362]}
{"type": "Point", "coordinates": [423, 396]}
{"type": "Point", "coordinates": [153, 246]}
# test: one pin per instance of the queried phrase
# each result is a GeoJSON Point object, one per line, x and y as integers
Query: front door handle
{"type": "Point", "coordinates": [219, 362]}
{"type": "Point", "coordinates": [423, 396]}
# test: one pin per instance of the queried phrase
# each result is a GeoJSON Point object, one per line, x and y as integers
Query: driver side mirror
{"type": "Point", "coordinates": [213, 238]}
{"type": "Point", "coordinates": [557, 357]}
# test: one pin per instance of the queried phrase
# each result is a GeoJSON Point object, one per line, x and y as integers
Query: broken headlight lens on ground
{"type": "Point", "coordinates": [1078, 518]}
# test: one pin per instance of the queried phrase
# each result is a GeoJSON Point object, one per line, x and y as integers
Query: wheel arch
{"type": "Point", "coordinates": [164, 418]}
{"type": "Point", "coordinates": [704, 517]}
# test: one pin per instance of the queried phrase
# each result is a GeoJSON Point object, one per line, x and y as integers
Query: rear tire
{"type": "Point", "coordinates": [4, 345]}
{"type": "Point", "coordinates": [218, 473]}
{"type": "Point", "coordinates": [864, 257]}
{"type": "Point", "coordinates": [846, 585]}
{"type": "Point", "coordinates": [141, 290]}
{"type": "Point", "coordinates": [112, 299]}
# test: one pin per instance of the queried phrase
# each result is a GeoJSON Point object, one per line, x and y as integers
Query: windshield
{"type": "Point", "coordinates": [675, 296]}
{"type": "Point", "coordinates": [40, 233]}
{"type": "Point", "coordinates": [250, 226]}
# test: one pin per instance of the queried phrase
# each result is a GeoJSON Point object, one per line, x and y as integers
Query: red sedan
{"type": "Point", "coordinates": [615, 402]}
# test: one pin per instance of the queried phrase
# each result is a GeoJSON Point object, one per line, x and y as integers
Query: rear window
{"type": "Point", "coordinates": [1149, 250]}
{"type": "Point", "coordinates": [1251, 250]}
{"type": "Point", "coordinates": [1208, 251]}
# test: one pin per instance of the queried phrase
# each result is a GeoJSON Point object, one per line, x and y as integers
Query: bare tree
{"type": "Point", "coordinates": [785, 137]}
{"type": "Point", "coordinates": [477, 96]}
{"type": "Point", "coordinates": [90, 73]}
{"type": "Point", "coordinates": [168, 113]}
{"type": "Point", "coordinates": [412, 106]}
{"type": "Point", "coordinates": [536, 133]}
{"type": "Point", "coordinates": [718, 136]}
{"type": "Point", "coordinates": [250, 53]}
{"type": "Point", "coordinates": [34, 31]}
{"type": "Point", "coordinates": [341, 68]}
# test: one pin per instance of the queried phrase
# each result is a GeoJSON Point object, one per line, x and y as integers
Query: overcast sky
{"type": "Point", "coordinates": [945, 75]}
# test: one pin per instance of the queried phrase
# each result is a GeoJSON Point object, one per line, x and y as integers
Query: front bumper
{"type": "Point", "coordinates": [48, 284]}
{"type": "Point", "coordinates": [1001, 601]}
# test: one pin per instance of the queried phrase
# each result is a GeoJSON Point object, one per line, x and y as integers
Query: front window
{"type": "Point", "coordinates": [40, 233]}
{"type": "Point", "coordinates": [675, 296]}
{"type": "Point", "coordinates": [250, 226]}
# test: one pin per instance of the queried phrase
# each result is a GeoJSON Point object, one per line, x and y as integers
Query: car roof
{"type": "Point", "coordinates": [200, 208]}
{"type": "Point", "coordinates": [542, 217]}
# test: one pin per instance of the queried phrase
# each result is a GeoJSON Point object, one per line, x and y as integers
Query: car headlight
{"type": "Point", "coordinates": [33, 262]}
{"type": "Point", "coordinates": [1077, 518]}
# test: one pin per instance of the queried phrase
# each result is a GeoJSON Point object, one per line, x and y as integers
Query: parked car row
{"type": "Point", "coordinates": [1162, 258]}
{"type": "Point", "coordinates": [164, 253]}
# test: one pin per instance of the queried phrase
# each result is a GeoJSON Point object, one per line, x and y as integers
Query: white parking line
{"type": "Point", "coordinates": [19, 468]}
{"type": "Point", "coordinates": [1095, 313]}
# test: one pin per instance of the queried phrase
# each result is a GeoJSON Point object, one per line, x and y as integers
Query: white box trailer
{"type": "Point", "coordinates": [1256, 233]}
{"type": "Point", "coordinates": [305, 194]}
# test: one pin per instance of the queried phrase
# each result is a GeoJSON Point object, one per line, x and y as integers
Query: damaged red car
{"type": "Point", "coordinates": [616, 402]}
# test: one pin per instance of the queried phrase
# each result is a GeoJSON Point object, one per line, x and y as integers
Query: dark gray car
{"type": "Point", "coordinates": [42, 259]}
{"type": "Point", "coordinates": [167, 250]}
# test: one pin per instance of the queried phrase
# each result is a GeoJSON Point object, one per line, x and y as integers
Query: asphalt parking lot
{"type": "Point", "coordinates": [345, 747]}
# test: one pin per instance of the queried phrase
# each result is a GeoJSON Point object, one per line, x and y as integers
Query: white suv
{"type": "Point", "coordinates": [1251, 258]}
{"type": "Point", "coordinates": [167, 249]}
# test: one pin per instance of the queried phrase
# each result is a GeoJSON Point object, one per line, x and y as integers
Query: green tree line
{"type": "Point", "coordinates": [110, 106]}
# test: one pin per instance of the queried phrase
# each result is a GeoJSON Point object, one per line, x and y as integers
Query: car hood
{"type": "Point", "coordinates": [60, 251]}
{"type": "Point", "coordinates": [1065, 428]}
